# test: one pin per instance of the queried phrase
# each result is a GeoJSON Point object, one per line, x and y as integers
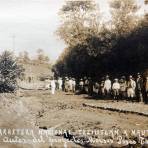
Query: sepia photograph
{"type": "Point", "coordinates": [73, 73]}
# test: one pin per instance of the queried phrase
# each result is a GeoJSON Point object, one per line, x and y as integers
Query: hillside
{"type": "Point", "coordinates": [37, 71]}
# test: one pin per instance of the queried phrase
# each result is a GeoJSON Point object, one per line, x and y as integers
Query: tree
{"type": "Point", "coordinates": [10, 71]}
{"type": "Point", "coordinates": [78, 19]}
{"type": "Point", "coordinates": [26, 57]}
{"type": "Point", "coordinates": [46, 59]}
{"type": "Point", "coordinates": [41, 57]}
{"type": "Point", "coordinates": [124, 17]}
{"type": "Point", "coordinates": [125, 54]}
{"type": "Point", "coordinates": [94, 49]}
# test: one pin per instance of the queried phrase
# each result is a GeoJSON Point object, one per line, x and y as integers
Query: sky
{"type": "Point", "coordinates": [31, 24]}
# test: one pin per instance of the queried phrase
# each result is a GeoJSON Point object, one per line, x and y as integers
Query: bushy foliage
{"type": "Point", "coordinates": [118, 47]}
{"type": "Point", "coordinates": [10, 71]}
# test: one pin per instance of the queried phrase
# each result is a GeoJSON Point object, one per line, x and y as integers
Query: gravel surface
{"type": "Point", "coordinates": [38, 109]}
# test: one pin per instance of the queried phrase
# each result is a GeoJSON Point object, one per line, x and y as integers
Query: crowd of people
{"type": "Point", "coordinates": [125, 88]}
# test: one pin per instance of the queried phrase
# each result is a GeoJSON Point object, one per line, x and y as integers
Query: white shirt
{"type": "Point", "coordinates": [107, 84]}
{"type": "Point", "coordinates": [116, 85]}
{"type": "Point", "coordinates": [70, 82]}
{"type": "Point", "coordinates": [133, 84]}
{"type": "Point", "coordinates": [81, 83]}
{"type": "Point", "coordinates": [52, 83]}
{"type": "Point", "coordinates": [60, 82]}
{"type": "Point", "coordinates": [73, 82]}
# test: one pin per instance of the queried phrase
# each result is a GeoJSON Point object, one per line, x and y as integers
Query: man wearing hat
{"type": "Point", "coordinates": [66, 84]}
{"type": "Point", "coordinates": [53, 86]}
{"type": "Point", "coordinates": [107, 86]}
{"type": "Point", "coordinates": [60, 83]}
{"type": "Point", "coordinates": [86, 84]}
{"type": "Point", "coordinates": [116, 88]}
{"type": "Point", "coordinates": [70, 84]}
{"type": "Point", "coordinates": [139, 88]}
{"type": "Point", "coordinates": [102, 87]}
{"type": "Point", "coordinates": [123, 87]}
{"type": "Point", "coordinates": [73, 85]}
{"type": "Point", "coordinates": [90, 86]}
{"type": "Point", "coordinates": [146, 90]}
{"type": "Point", "coordinates": [131, 86]}
{"type": "Point", "coordinates": [81, 85]}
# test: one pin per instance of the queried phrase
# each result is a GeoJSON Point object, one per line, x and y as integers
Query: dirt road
{"type": "Point", "coordinates": [65, 111]}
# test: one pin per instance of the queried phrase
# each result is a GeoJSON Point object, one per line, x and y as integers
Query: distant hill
{"type": "Point", "coordinates": [37, 71]}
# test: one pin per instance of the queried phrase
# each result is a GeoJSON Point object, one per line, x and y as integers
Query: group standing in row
{"type": "Point", "coordinates": [131, 89]}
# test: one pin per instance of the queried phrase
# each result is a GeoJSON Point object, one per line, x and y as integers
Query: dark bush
{"type": "Point", "coordinates": [10, 72]}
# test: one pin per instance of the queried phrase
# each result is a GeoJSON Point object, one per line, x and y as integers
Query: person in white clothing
{"type": "Point", "coordinates": [81, 85]}
{"type": "Point", "coordinates": [60, 83]}
{"type": "Point", "coordinates": [66, 84]}
{"type": "Point", "coordinates": [53, 86]}
{"type": "Point", "coordinates": [116, 88]}
{"type": "Point", "coordinates": [131, 86]}
{"type": "Point", "coordinates": [70, 84]}
{"type": "Point", "coordinates": [107, 86]}
{"type": "Point", "coordinates": [73, 85]}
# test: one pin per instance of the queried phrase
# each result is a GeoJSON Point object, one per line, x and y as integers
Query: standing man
{"type": "Point", "coordinates": [123, 87]}
{"type": "Point", "coordinates": [86, 84]}
{"type": "Point", "coordinates": [116, 88]}
{"type": "Point", "coordinates": [90, 86]}
{"type": "Point", "coordinates": [102, 87]}
{"type": "Point", "coordinates": [73, 85]}
{"type": "Point", "coordinates": [146, 89]}
{"type": "Point", "coordinates": [53, 86]}
{"type": "Point", "coordinates": [66, 85]}
{"type": "Point", "coordinates": [81, 86]}
{"type": "Point", "coordinates": [97, 88]}
{"type": "Point", "coordinates": [139, 88]}
{"type": "Point", "coordinates": [107, 86]}
{"type": "Point", "coordinates": [70, 84]}
{"type": "Point", "coordinates": [131, 86]}
{"type": "Point", "coordinates": [60, 83]}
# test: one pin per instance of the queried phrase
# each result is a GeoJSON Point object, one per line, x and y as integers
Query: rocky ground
{"type": "Point", "coordinates": [40, 111]}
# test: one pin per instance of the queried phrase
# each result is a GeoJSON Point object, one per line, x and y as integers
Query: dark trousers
{"type": "Point", "coordinates": [139, 95]}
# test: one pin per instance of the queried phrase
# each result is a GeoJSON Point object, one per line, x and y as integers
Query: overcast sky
{"type": "Point", "coordinates": [33, 23]}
